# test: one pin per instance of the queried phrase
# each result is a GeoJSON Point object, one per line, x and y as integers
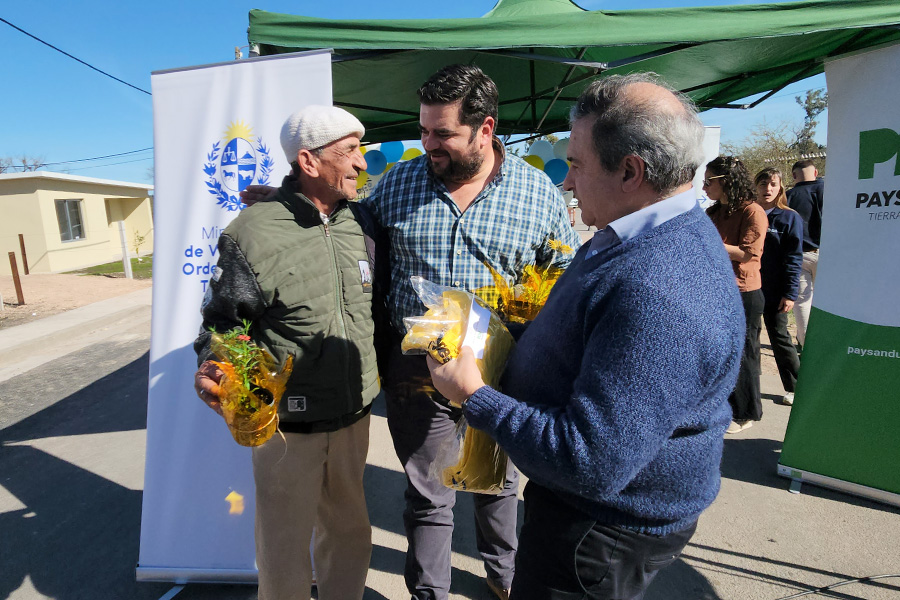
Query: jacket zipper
{"type": "Point", "coordinates": [339, 306]}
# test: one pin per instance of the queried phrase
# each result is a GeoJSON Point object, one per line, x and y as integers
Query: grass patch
{"type": "Point", "coordinates": [142, 269]}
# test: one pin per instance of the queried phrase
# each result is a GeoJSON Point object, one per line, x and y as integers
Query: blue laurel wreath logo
{"type": "Point", "coordinates": [244, 160]}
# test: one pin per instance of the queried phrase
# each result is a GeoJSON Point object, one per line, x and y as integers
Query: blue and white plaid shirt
{"type": "Point", "coordinates": [508, 225]}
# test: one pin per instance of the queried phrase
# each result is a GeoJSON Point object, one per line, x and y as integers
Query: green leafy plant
{"type": "Point", "coordinates": [251, 385]}
{"type": "Point", "coordinates": [137, 242]}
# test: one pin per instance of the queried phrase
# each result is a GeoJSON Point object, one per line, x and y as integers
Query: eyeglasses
{"type": "Point", "coordinates": [708, 180]}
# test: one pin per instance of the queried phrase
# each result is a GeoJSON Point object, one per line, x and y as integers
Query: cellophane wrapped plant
{"type": "Point", "coordinates": [471, 460]}
{"type": "Point", "coordinates": [522, 301]}
{"type": "Point", "coordinates": [251, 387]}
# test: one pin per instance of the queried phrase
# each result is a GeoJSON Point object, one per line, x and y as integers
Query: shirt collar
{"type": "Point", "coordinates": [638, 222]}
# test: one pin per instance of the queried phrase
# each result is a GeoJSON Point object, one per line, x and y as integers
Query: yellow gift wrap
{"type": "Point", "coordinates": [472, 461]}
{"type": "Point", "coordinates": [251, 386]}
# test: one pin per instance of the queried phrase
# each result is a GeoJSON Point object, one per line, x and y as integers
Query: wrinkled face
{"type": "Point", "coordinates": [597, 190]}
{"type": "Point", "coordinates": [453, 149]}
{"type": "Point", "coordinates": [712, 185]}
{"type": "Point", "coordinates": [340, 163]}
{"type": "Point", "coordinates": [767, 190]}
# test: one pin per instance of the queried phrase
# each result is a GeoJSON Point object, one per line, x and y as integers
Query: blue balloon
{"type": "Point", "coordinates": [555, 169]}
{"type": "Point", "coordinates": [376, 161]}
{"type": "Point", "coordinates": [392, 151]}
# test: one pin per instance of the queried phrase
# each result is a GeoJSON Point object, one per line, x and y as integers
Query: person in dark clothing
{"type": "Point", "coordinates": [780, 270]}
{"type": "Point", "coordinates": [806, 198]}
{"type": "Point", "coordinates": [742, 224]}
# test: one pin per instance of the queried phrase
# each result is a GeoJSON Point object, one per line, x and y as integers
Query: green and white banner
{"type": "Point", "coordinates": [844, 430]}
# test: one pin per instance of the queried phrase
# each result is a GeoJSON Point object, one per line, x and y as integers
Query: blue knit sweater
{"type": "Point", "coordinates": [616, 397]}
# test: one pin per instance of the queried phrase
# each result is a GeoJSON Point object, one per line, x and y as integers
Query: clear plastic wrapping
{"type": "Point", "coordinates": [470, 460]}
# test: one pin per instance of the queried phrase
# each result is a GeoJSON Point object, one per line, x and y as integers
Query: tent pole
{"type": "Point", "coordinates": [550, 90]}
{"type": "Point", "coordinates": [559, 89]}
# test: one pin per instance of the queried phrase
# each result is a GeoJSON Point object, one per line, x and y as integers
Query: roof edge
{"type": "Point", "coordinates": [53, 176]}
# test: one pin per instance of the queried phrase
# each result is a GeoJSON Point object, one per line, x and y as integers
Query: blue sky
{"type": "Point", "coordinates": [57, 109]}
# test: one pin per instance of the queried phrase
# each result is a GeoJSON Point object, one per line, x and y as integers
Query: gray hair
{"type": "Point", "coordinates": [670, 143]}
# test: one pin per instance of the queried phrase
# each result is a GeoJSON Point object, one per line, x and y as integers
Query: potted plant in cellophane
{"type": "Point", "coordinates": [251, 385]}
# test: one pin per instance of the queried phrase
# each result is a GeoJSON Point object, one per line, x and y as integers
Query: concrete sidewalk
{"type": "Point", "coordinates": [757, 541]}
{"type": "Point", "coordinates": [31, 345]}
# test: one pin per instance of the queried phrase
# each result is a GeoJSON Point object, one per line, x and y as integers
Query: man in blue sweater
{"type": "Point", "coordinates": [615, 400]}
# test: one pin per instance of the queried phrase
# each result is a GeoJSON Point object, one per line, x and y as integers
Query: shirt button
{"type": "Point", "coordinates": [458, 252]}
{"type": "Point", "coordinates": [456, 283]}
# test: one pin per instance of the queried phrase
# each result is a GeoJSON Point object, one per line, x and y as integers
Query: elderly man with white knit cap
{"type": "Point", "coordinates": [299, 269]}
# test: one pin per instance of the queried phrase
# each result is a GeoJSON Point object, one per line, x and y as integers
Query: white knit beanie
{"type": "Point", "coordinates": [316, 125]}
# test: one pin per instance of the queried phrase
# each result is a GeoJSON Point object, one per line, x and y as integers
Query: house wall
{"type": "Point", "coordinates": [20, 213]}
{"type": "Point", "coordinates": [136, 213]}
{"type": "Point", "coordinates": [101, 206]}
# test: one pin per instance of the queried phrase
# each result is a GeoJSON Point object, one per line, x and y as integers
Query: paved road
{"type": "Point", "coordinates": [72, 437]}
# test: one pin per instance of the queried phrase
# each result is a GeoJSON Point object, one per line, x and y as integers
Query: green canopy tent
{"type": "Point", "coordinates": [542, 53]}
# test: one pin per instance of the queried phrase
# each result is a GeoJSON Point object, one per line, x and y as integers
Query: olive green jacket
{"type": "Point", "coordinates": [306, 285]}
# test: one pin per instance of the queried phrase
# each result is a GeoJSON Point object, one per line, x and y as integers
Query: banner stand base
{"type": "Point", "coordinates": [181, 575]}
{"type": "Point", "coordinates": [799, 476]}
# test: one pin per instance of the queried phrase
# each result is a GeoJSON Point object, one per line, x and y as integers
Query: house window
{"type": "Point", "coordinates": [68, 213]}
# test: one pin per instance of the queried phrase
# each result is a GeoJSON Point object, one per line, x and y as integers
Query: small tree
{"type": "Point", "coordinates": [30, 163]}
{"type": "Point", "coordinates": [20, 163]}
{"type": "Point", "coordinates": [767, 146]}
{"type": "Point", "coordinates": [137, 242]}
{"type": "Point", "coordinates": [815, 102]}
{"type": "Point", "coordinates": [782, 145]}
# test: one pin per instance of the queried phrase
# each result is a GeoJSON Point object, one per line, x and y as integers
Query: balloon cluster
{"type": "Point", "coordinates": [544, 156]}
{"type": "Point", "coordinates": [381, 160]}
{"type": "Point", "coordinates": [550, 158]}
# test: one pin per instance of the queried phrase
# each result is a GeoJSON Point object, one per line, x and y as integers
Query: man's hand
{"type": "Point", "coordinates": [257, 193]}
{"type": "Point", "coordinates": [206, 384]}
{"type": "Point", "coordinates": [785, 305]}
{"type": "Point", "coordinates": [457, 379]}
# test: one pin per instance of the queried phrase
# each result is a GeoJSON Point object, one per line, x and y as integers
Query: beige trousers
{"type": "Point", "coordinates": [803, 305]}
{"type": "Point", "coordinates": [316, 482]}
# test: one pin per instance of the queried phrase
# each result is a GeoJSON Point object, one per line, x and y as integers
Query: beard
{"type": "Point", "coordinates": [461, 169]}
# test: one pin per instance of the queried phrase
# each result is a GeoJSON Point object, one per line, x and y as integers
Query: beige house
{"type": "Point", "coordinates": [70, 222]}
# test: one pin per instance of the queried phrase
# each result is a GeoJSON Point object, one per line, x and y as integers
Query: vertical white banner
{"type": "Point", "coordinates": [846, 416]}
{"type": "Point", "coordinates": [216, 130]}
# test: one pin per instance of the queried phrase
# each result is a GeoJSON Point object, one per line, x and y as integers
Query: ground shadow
{"type": "Point", "coordinates": [115, 402]}
{"type": "Point", "coordinates": [755, 460]}
{"type": "Point", "coordinates": [744, 558]}
{"type": "Point", "coordinates": [77, 536]}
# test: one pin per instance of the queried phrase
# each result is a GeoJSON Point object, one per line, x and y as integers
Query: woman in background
{"type": "Point", "coordinates": [742, 224]}
{"type": "Point", "coordinates": [780, 270]}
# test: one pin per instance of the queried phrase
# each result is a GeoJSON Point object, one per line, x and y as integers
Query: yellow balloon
{"type": "Point", "coordinates": [361, 180]}
{"type": "Point", "coordinates": [411, 154]}
{"type": "Point", "coordinates": [363, 149]}
{"type": "Point", "coordinates": [388, 168]}
{"type": "Point", "coordinates": [535, 161]}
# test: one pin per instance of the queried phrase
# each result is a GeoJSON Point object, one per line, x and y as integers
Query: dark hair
{"type": "Point", "coordinates": [669, 142]}
{"type": "Point", "coordinates": [766, 175]}
{"type": "Point", "coordinates": [735, 181]}
{"type": "Point", "coordinates": [802, 164]}
{"type": "Point", "coordinates": [466, 84]}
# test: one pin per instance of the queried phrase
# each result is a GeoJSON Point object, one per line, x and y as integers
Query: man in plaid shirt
{"type": "Point", "coordinates": [464, 203]}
